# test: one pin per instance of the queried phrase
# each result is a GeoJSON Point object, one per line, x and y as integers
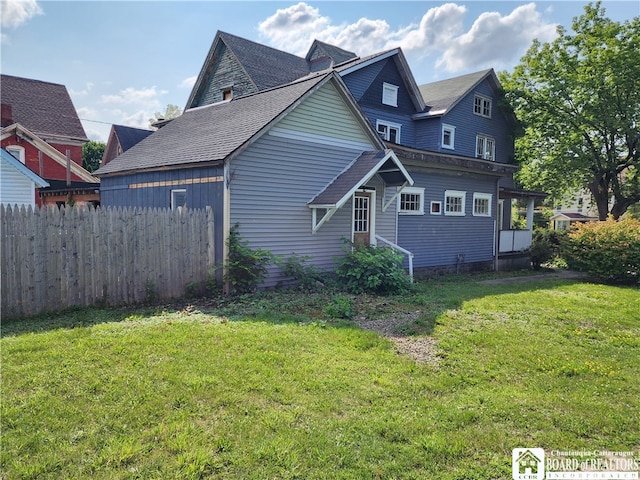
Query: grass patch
{"type": "Point", "coordinates": [271, 386]}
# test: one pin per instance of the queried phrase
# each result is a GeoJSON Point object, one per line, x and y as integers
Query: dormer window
{"type": "Point", "coordinates": [390, 94]}
{"type": "Point", "coordinates": [482, 106]}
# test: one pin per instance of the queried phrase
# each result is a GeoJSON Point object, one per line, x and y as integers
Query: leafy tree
{"type": "Point", "coordinates": [172, 111]}
{"type": "Point", "coordinates": [578, 99]}
{"type": "Point", "coordinates": [92, 152]}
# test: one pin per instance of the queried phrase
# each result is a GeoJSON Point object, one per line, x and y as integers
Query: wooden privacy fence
{"type": "Point", "coordinates": [57, 258]}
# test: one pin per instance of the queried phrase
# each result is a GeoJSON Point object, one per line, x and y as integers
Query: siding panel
{"type": "Point", "coordinates": [270, 189]}
{"type": "Point", "coordinates": [116, 192]}
{"type": "Point", "coordinates": [16, 188]}
{"type": "Point", "coordinates": [436, 240]}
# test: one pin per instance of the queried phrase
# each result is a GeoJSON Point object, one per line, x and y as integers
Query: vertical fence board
{"type": "Point", "coordinates": [56, 258]}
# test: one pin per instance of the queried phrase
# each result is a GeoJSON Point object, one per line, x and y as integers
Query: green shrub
{"type": "Point", "coordinates": [307, 275]}
{"type": "Point", "coordinates": [340, 307]}
{"type": "Point", "coordinates": [545, 246]}
{"type": "Point", "coordinates": [371, 269]}
{"type": "Point", "coordinates": [246, 268]}
{"type": "Point", "coordinates": [608, 250]}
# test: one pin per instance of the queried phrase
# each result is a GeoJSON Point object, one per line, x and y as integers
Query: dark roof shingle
{"type": "Point", "coordinates": [210, 133]}
{"type": "Point", "coordinates": [42, 107]}
{"type": "Point", "coordinates": [442, 95]}
{"type": "Point", "coordinates": [130, 136]}
{"type": "Point", "coordinates": [267, 66]}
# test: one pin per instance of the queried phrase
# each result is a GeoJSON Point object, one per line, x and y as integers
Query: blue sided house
{"type": "Point", "coordinates": [305, 152]}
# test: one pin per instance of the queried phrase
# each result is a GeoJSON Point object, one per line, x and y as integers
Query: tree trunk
{"type": "Point", "coordinates": [620, 206]}
{"type": "Point", "coordinates": [600, 192]}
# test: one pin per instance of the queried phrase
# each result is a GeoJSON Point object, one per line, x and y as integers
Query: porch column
{"type": "Point", "coordinates": [530, 205]}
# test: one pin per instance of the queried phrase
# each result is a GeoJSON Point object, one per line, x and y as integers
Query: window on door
{"type": "Point", "coordinates": [361, 214]}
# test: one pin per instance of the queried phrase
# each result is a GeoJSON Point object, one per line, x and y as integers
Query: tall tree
{"type": "Point", "coordinates": [92, 153]}
{"type": "Point", "coordinates": [172, 111]}
{"type": "Point", "coordinates": [578, 99]}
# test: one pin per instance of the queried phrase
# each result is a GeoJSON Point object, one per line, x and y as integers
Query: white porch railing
{"type": "Point", "coordinates": [514, 240]}
{"type": "Point", "coordinates": [401, 250]}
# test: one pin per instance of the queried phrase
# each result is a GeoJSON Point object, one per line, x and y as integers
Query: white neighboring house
{"type": "Point", "coordinates": [17, 183]}
{"type": "Point", "coordinates": [582, 209]}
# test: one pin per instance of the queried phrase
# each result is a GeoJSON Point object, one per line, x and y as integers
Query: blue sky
{"type": "Point", "coordinates": [122, 61]}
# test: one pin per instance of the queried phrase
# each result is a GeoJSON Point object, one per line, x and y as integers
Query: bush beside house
{"type": "Point", "coordinates": [608, 250]}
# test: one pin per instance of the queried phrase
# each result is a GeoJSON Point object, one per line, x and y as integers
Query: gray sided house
{"type": "Point", "coordinates": [297, 167]}
{"type": "Point", "coordinates": [452, 136]}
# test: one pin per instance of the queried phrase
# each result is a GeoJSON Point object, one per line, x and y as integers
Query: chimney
{"type": "Point", "coordinates": [7, 115]}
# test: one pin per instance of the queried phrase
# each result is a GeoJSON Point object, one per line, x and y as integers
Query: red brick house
{"type": "Point", "coordinates": [40, 127]}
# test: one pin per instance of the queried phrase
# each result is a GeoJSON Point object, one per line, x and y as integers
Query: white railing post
{"type": "Point", "coordinates": [402, 250]}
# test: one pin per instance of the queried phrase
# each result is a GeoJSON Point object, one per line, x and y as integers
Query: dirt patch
{"type": "Point", "coordinates": [421, 348]}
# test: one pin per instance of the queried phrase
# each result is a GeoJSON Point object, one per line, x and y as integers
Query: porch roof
{"type": "Point", "coordinates": [506, 192]}
{"type": "Point", "coordinates": [573, 217]}
{"type": "Point", "coordinates": [360, 171]}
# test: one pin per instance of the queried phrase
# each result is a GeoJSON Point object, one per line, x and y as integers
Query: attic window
{"type": "Point", "coordinates": [16, 151]}
{"type": "Point", "coordinates": [482, 106]}
{"type": "Point", "coordinates": [390, 94]}
{"type": "Point", "coordinates": [227, 93]}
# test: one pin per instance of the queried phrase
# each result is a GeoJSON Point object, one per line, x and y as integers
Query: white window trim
{"type": "Point", "coordinates": [451, 129]}
{"type": "Point", "coordinates": [17, 151]}
{"type": "Point", "coordinates": [177, 190]}
{"type": "Point", "coordinates": [390, 98]}
{"type": "Point", "coordinates": [434, 202]}
{"type": "Point", "coordinates": [412, 191]}
{"type": "Point", "coordinates": [492, 154]}
{"type": "Point", "coordinates": [484, 98]}
{"type": "Point", "coordinates": [482, 196]}
{"type": "Point", "coordinates": [397, 126]}
{"type": "Point", "coordinates": [455, 194]}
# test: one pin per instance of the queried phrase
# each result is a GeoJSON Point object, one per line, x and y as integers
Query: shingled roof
{"type": "Point", "coordinates": [44, 108]}
{"type": "Point", "coordinates": [130, 136]}
{"type": "Point", "coordinates": [211, 133]}
{"type": "Point", "coordinates": [442, 96]}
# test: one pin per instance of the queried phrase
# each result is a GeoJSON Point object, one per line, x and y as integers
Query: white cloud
{"type": "Point", "coordinates": [149, 97]}
{"type": "Point", "coordinates": [16, 12]}
{"type": "Point", "coordinates": [188, 82]}
{"type": "Point", "coordinates": [139, 119]}
{"type": "Point", "coordinates": [82, 93]}
{"type": "Point", "coordinates": [436, 29]}
{"type": "Point", "coordinates": [494, 39]}
{"type": "Point", "coordinates": [294, 28]}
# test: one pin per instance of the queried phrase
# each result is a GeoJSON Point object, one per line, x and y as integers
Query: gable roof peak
{"type": "Point", "coordinates": [442, 95]}
{"type": "Point", "coordinates": [323, 55]}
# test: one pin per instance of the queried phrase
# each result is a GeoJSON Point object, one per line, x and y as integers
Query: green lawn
{"type": "Point", "coordinates": [269, 387]}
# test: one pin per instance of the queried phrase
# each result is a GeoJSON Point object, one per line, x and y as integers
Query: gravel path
{"type": "Point", "coordinates": [421, 348]}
